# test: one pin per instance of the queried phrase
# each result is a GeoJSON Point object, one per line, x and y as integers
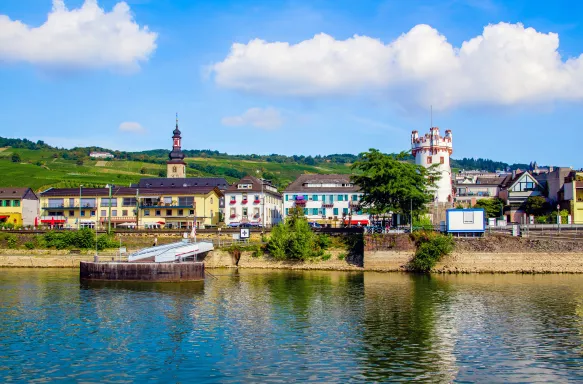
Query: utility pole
{"type": "Point", "coordinates": [80, 207]}
{"type": "Point", "coordinates": [109, 220]}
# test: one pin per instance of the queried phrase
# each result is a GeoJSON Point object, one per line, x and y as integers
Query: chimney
{"type": "Point", "coordinates": [514, 173]}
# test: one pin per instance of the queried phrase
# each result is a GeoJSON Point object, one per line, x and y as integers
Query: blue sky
{"type": "Point", "coordinates": [304, 77]}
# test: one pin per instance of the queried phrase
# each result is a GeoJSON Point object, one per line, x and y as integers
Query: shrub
{"type": "Point", "coordinates": [326, 256]}
{"type": "Point", "coordinates": [294, 239]}
{"type": "Point", "coordinates": [29, 245]}
{"type": "Point", "coordinates": [342, 256]}
{"type": "Point", "coordinates": [431, 248]}
{"type": "Point", "coordinates": [423, 223]}
{"type": "Point", "coordinates": [11, 240]}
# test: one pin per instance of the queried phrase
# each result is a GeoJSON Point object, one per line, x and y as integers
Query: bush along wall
{"type": "Point", "coordinates": [431, 247]}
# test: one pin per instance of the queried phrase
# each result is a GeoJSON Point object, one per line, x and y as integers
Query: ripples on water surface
{"type": "Point", "coordinates": [282, 326]}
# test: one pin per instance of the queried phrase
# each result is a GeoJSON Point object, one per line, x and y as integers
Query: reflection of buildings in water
{"type": "Point", "coordinates": [407, 332]}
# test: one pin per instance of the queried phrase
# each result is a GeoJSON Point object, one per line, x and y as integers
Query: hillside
{"type": "Point", "coordinates": [41, 166]}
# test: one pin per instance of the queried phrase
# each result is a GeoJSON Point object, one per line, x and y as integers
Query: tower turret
{"type": "Point", "coordinates": [176, 167]}
{"type": "Point", "coordinates": [433, 149]}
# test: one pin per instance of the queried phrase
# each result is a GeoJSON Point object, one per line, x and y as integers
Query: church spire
{"type": "Point", "coordinates": [176, 154]}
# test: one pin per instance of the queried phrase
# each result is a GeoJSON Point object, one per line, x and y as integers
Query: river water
{"type": "Point", "coordinates": [282, 326]}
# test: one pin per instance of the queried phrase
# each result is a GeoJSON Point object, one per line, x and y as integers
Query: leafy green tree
{"type": "Point", "coordinates": [390, 184]}
{"type": "Point", "coordinates": [492, 207]}
{"type": "Point", "coordinates": [79, 162]}
{"type": "Point", "coordinates": [16, 158]}
{"type": "Point", "coordinates": [536, 205]}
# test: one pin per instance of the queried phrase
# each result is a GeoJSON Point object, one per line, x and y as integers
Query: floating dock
{"type": "Point", "coordinates": [124, 271]}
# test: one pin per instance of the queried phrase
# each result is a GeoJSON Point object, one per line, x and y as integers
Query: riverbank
{"type": "Point", "coordinates": [492, 254]}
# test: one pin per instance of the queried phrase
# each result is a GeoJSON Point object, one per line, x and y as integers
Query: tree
{"type": "Point", "coordinates": [79, 162]}
{"type": "Point", "coordinates": [16, 158]}
{"type": "Point", "coordinates": [492, 207]}
{"type": "Point", "coordinates": [143, 171]}
{"type": "Point", "coordinates": [536, 205]}
{"type": "Point", "coordinates": [161, 173]}
{"type": "Point", "coordinates": [389, 184]}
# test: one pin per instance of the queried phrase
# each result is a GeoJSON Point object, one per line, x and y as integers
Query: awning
{"type": "Point", "coordinates": [356, 222]}
{"type": "Point", "coordinates": [51, 221]}
{"type": "Point", "coordinates": [4, 217]}
{"type": "Point", "coordinates": [161, 222]}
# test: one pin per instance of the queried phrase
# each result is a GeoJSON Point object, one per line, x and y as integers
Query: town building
{"type": "Point", "coordinates": [101, 155]}
{"type": "Point", "coordinates": [573, 195]}
{"type": "Point", "coordinates": [176, 167]}
{"type": "Point", "coordinates": [435, 150]}
{"type": "Point", "coordinates": [254, 201]}
{"type": "Point", "coordinates": [471, 189]}
{"type": "Point", "coordinates": [131, 207]}
{"type": "Point", "coordinates": [326, 199]}
{"type": "Point", "coordinates": [515, 190]}
{"type": "Point", "coordinates": [18, 206]}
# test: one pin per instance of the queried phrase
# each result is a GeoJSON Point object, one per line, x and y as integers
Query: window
{"type": "Point", "coordinates": [53, 203]}
{"type": "Point", "coordinates": [158, 212]}
{"type": "Point", "coordinates": [442, 160]}
{"type": "Point", "coordinates": [244, 196]}
{"type": "Point", "coordinates": [345, 197]}
{"type": "Point", "coordinates": [124, 212]}
{"type": "Point", "coordinates": [256, 212]}
{"type": "Point", "coordinates": [88, 202]}
{"type": "Point", "coordinates": [114, 212]}
{"type": "Point", "coordinates": [71, 202]}
{"type": "Point", "coordinates": [233, 199]}
{"type": "Point", "coordinates": [129, 201]}
{"type": "Point", "coordinates": [286, 197]}
{"type": "Point", "coordinates": [82, 213]}
{"type": "Point", "coordinates": [233, 212]}
{"type": "Point", "coordinates": [103, 212]}
{"type": "Point", "coordinates": [105, 202]}
{"type": "Point", "coordinates": [168, 212]}
{"type": "Point", "coordinates": [429, 159]}
{"type": "Point", "coordinates": [191, 212]}
{"type": "Point", "coordinates": [335, 211]}
{"type": "Point", "coordinates": [305, 211]}
{"type": "Point", "coordinates": [211, 213]}
{"type": "Point", "coordinates": [315, 211]}
{"type": "Point", "coordinates": [315, 197]}
{"type": "Point", "coordinates": [16, 203]}
{"type": "Point", "coordinates": [345, 211]}
{"type": "Point", "coordinates": [167, 200]}
{"type": "Point", "coordinates": [287, 211]}
{"type": "Point", "coordinates": [146, 212]}
{"type": "Point", "coordinates": [468, 217]}
{"type": "Point", "coordinates": [181, 212]}
{"type": "Point", "coordinates": [212, 200]}
{"type": "Point", "coordinates": [186, 201]}
{"type": "Point", "coordinates": [71, 213]}
{"type": "Point", "coordinates": [340, 197]}
{"type": "Point", "coordinates": [244, 211]}
{"type": "Point", "coordinates": [92, 213]}
{"type": "Point", "coordinates": [354, 197]}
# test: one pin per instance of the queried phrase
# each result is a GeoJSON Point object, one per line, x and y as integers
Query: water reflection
{"type": "Point", "coordinates": [317, 326]}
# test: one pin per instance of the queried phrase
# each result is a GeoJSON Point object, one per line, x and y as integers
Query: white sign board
{"type": "Point", "coordinates": [492, 221]}
{"type": "Point", "coordinates": [465, 220]}
{"type": "Point", "coordinates": [245, 232]}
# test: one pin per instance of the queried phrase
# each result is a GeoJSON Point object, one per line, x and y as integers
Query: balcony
{"type": "Point", "coordinates": [244, 201]}
{"type": "Point", "coordinates": [327, 205]}
{"type": "Point", "coordinates": [256, 201]}
{"type": "Point", "coordinates": [300, 202]}
{"type": "Point", "coordinates": [164, 206]}
{"type": "Point", "coordinates": [472, 194]}
{"type": "Point", "coordinates": [52, 220]}
{"type": "Point", "coordinates": [233, 216]}
{"type": "Point", "coordinates": [233, 202]}
{"type": "Point", "coordinates": [63, 206]}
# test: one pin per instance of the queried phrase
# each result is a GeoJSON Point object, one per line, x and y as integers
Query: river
{"type": "Point", "coordinates": [281, 326]}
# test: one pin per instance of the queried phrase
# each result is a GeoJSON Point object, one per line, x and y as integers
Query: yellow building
{"type": "Point", "coordinates": [573, 192]}
{"type": "Point", "coordinates": [162, 207]}
{"type": "Point", "coordinates": [18, 207]}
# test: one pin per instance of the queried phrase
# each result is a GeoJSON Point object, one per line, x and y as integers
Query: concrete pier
{"type": "Point", "coordinates": [120, 271]}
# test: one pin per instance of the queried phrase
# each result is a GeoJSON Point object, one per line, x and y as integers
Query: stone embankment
{"type": "Point", "coordinates": [491, 254]}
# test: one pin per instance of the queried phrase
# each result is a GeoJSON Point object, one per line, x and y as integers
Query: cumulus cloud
{"type": "Point", "coordinates": [507, 64]}
{"type": "Point", "coordinates": [87, 37]}
{"type": "Point", "coordinates": [131, 127]}
{"type": "Point", "coordinates": [265, 118]}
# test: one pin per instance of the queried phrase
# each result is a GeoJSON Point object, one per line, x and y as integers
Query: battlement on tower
{"type": "Point", "coordinates": [432, 141]}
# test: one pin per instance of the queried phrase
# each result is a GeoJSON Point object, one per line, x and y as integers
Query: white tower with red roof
{"type": "Point", "coordinates": [433, 149]}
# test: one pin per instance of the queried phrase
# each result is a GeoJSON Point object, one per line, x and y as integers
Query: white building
{"type": "Point", "coordinates": [253, 201]}
{"type": "Point", "coordinates": [326, 199]}
{"type": "Point", "coordinates": [433, 149]}
{"type": "Point", "coordinates": [101, 155]}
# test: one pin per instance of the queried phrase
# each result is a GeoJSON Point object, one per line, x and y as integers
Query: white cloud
{"type": "Point", "coordinates": [507, 64]}
{"type": "Point", "coordinates": [266, 118]}
{"type": "Point", "coordinates": [131, 127]}
{"type": "Point", "coordinates": [87, 37]}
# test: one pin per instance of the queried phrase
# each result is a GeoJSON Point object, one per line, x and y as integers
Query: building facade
{"type": "Point", "coordinates": [469, 191]}
{"type": "Point", "coordinates": [573, 195]}
{"type": "Point", "coordinates": [326, 199]}
{"type": "Point", "coordinates": [131, 207]}
{"type": "Point", "coordinates": [515, 190]}
{"type": "Point", "coordinates": [435, 150]}
{"type": "Point", "coordinates": [19, 207]}
{"type": "Point", "coordinates": [101, 155]}
{"type": "Point", "coordinates": [176, 167]}
{"type": "Point", "coordinates": [253, 201]}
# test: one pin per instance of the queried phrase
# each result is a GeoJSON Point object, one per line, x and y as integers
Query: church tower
{"type": "Point", "coordinates": [176, 167]}
{"type": "Point", "coordinates": [433, 149]}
